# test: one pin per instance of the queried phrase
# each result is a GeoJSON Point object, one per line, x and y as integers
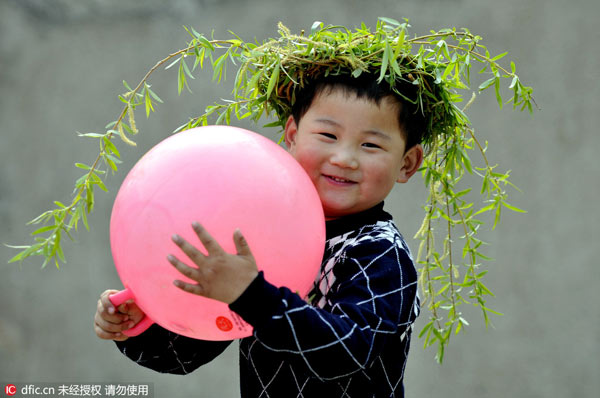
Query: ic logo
{"type": "Point", "coordinates": [10, 389]}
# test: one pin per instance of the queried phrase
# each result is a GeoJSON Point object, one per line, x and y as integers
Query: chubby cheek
{"type": "Point", "coordinates": [381, 177]}
{"type": "Point", "coordinates": [309, 162]}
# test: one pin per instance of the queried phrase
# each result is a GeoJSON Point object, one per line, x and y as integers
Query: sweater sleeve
{"type": "Point", "coordinates": [372, 299]}
{"type": "Point", "coordinates": [166, 352]}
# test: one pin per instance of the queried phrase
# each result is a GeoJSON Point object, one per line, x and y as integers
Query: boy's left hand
{"type": "Point", "coordinates": [219, 275]}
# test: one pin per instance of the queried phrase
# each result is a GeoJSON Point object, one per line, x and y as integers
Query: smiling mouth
{"type": "Point", "coordinates": [339, 180]}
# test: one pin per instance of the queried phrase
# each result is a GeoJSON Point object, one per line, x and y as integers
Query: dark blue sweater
{"type": "Point", "coordinates": [350, 338]}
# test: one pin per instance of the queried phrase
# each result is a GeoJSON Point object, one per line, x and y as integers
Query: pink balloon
{"type": "Point", "coordinates": [225, 178]}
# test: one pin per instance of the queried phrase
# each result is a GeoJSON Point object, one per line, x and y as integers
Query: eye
{"type": "Point", "coordinates": [371, 145]}
{"type": "Point", "coordinates": [328, 135]}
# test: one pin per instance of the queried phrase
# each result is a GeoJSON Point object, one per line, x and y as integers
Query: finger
{"type": "Point", "coordinates": [110, 327]}
{"type": "Point", "coordinates": [103, 334]}
{"type": "Point", "coordinates": [210, 243]}
{"type": "Point", "coordinates": [109, 306]}
{"type": "Point", "coordinates": [190, 250]}
{"type": "Point", "coordinates": [189, 287]}
{"type": "Point", "coordinates": [241, 245]}
{"type": "Point", "coordinates": [111, 316]}
{"type": "Point", "coordinates": [123, 308]}
{"type": "Point", "coordinates": [132, 310]}
{"type": "Point", "coordinates": [191, 272]}
{"type": "Point", "coordinates": [106, 303]}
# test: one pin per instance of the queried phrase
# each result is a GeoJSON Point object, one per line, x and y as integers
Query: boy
{"type": "Point", "coordinates": [355, 138]}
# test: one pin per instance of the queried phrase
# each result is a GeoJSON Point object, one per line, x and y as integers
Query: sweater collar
{"type": "Point", "coordinates": [352, 222]}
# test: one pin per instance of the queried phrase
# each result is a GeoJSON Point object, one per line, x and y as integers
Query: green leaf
{"type": "Point", "coordinates": [489, 207]}
{"type": "Point", "coordinates": [199, 59]}
{"type": "Point", "coordinates": [218, 68]}
{"type": "Point", "coordinates": [316, 26]}
{"type": "Point", "coordinates": [220, 119]}
{"type": "Point", "coordinates": [89, 196]}
{"type": "Point", "coordinates": [426, 328]}
{"type": "Point", "coordinates": [148, 103]}
{"type": "Point", "coordinates": [273, 124]}
{"type": "Point", "coordinates": [173, 63]}
{"type": "Point", "coordinates": [490, 310]}
{"type": "Point", "coordinates": [44, 229]}
{"type": "Point", "coordinates": [513, 208]}
{"type": "Point", "coordinates": [60, 254]}
{"type": "Point", "coordinates": [444, 47]}
{"type": "Point", "coordinates": [98, 181]}
{"type": "Point", "coordinates": [153, 94]}
{"type": "Point", "coordinates": [389, 21]}
{"type": "Point", "coordinates": [83, 215]}
{"type": "Point", "coordinates": [273, 80]}
{"type": "Point", "coordinates": [393, 61]}
{"type": "Point", "coordinates": [497, 217]}
{"type": "Point", "coordinates": [83, 166]}
{"type": "Point", "coordinates": [19, 257]}
{"type": "Point", "coordinates": [253, 84]}
{"type": "Point", "coordinates": [55, 244]}
{"type": "Point", "coordinates": [485, 185]}
{"type": "Point", "coordinates": [479, 254]}
{"type": "Point", "coordinates": [437, 334]}
{"type": "Point", "coordinates": [497, 57]}
{"type": "Point", "coordinates": [181, 81]}
{"type": "Point", "coordinates": [30, 250]}
{"type": "Point", "coordinates": [466, 160]}
{"type": "Point", "coordinates": [487, 84]}
{"type": "Point", "coordinates": [399, 43]}
{"type": "Point", "coordinates": [110, 147]}
{"type": "Point", "coordinates": [112, 159]}
{"type": "Point", "coordinates": [186, 69]}
{"type": "Point", "coordinates": [384, 62]}
{"type": "Point", "coordinates": [205, 43]}
{"type": "Point", "coordinates": [463, 192]}
{"type": "Point", "coordinates": [90, 135]}
{"type": "Point", "coordinates": [497, 89]}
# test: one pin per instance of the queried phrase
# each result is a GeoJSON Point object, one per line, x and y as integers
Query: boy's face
{"type": "Point", "coordinates": [352, 149]}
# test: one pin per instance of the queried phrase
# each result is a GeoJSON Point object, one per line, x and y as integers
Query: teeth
{"type": "Point", "coordinates": [339, 179]}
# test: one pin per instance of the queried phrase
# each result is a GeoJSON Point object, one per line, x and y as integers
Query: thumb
{"type": "Point", "coordinates": [241, 245]}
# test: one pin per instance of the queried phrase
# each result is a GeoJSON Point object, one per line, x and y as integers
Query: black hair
{"type": "Point", "coordinates": [411, 119]}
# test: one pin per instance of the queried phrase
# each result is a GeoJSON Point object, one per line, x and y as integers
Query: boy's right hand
{"type": "Point", "coordinates": [110, 322]}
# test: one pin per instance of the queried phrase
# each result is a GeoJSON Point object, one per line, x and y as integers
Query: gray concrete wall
{"type": "Point", "coordinates": [61, 67]}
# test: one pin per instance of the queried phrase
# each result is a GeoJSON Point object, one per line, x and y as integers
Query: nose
{"type": "Point", "coordinates": [344, 157]}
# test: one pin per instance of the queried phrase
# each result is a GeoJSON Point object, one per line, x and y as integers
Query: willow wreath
{"type": "Point", "coordinates": [268, 76]}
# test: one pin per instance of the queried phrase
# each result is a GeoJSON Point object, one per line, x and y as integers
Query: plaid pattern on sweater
{"type": "Point", "coordinates": [349, 339]}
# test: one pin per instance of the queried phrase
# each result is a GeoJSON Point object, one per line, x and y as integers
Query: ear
{"type": "Point", "coordinates": [412, 160]}
{"type": "Point", "coordinates": [291, 128]}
